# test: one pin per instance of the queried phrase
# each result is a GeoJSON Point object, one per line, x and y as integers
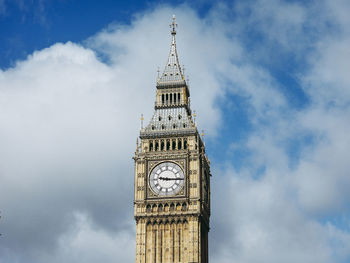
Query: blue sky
{"type": "Point", "coordinates": [269, 82]}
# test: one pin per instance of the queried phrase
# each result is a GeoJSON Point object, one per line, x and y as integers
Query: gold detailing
{"type": "Point", "coordinates": [183, 72]}
{"type": "Point", "coordinates": [194, 117]}
{"type": "Point", "coordinates": [142, 118]}
{"type": "Point", "coordinates": [171, 228]}
{"type": "Point", "coordinates": [173, 25]}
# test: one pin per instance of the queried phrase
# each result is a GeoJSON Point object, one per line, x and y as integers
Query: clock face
{"type": "Point", "coordinates": [166, 179]}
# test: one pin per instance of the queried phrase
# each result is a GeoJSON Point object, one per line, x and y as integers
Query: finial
{"type": "Point", "coordinates": [158, 73]}
{"type": "Point", "coordinates": [137, 145]}
{"type": "Point", "coordinates": [141, 121]}
{"type": "Point", "coordinates": [202, 134]}
{"type": "Point", "coordinates": [173, 26]}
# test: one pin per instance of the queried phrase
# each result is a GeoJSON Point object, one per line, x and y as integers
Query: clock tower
{"type": "Point", "coordinates": [172, 176]}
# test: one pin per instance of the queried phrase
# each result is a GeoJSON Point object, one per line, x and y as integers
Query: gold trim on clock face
{"type": "Point", "coordinates": [166, 179]}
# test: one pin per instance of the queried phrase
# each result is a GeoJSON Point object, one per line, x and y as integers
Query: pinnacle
{"type": "Point", "coordinates": [172, 73]}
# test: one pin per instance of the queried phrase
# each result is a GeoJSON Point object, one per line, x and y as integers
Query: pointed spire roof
{"type": "Point", "coordinates": [172, 73]}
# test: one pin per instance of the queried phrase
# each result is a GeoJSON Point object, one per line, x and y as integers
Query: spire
{"type": "Point", "coordinates": [172, 113]}
{"type": "Point", "coordinates": [172, 73]}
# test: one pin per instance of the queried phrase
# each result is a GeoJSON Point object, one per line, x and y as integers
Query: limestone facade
{"type": "Point", "coordinates": [172, 228]}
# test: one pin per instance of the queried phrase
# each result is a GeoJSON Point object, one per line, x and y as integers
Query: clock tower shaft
{"type": "Point", "coordinates": [172, 176]}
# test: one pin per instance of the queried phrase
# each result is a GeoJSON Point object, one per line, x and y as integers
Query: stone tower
{"type": "Point", "coordinates": [172, 176]}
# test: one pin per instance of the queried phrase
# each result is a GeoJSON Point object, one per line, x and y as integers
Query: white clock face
{"type": "Point", "coordinates": [167, 179]}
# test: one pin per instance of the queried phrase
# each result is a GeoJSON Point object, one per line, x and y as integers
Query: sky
{"type": "Point", "coordinates": [269, 80]}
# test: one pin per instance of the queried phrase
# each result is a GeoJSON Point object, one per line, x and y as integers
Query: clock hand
{"type": "Point", "coordinates": [169, 179]}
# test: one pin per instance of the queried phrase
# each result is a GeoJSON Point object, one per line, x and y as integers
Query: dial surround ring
{"type": "Point", "coordinates": [166, 179]}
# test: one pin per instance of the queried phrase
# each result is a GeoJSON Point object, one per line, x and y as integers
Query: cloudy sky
{"type": "Point", "coordinates": [269, 80]}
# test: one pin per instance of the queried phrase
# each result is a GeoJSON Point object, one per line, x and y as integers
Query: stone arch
{"type": "Point", "coordinates": [179, 144]}
{"type": "Point", "coordinates": [166, 207]}
{"type": "Point", "coordinates": [168, 145]}
{"type": "Point", "coordinates": [166, 225]}
{"type": "Point", "coordinates": [154, 208]}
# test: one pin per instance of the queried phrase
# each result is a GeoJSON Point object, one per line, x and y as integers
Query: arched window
{"type": "Point", "coordinates": [154, 208]}
{"type": "Point", "coordinates": [162, 98]}
{"type": "Point", "coordinates": [178, 98]}
{"type": "Point", "coordinates": [168, 145]}
{"type": "Point", "coordinates": [185, 144]}
{"type": "Point", "coordinates": [179, 145]}
{"type": "Point", "coordinates": [172, 207]}
{"type": "Point", "coordinates": [166, 208]}
{"type": "Point", "coordinates": [166, 98]}
{"type": "Point", "coordinates": [174, 98]}
{"type": "Point", "coordinates": [151, 146]}
{"type": "Point", "coordinates": [171, 98]}
{"type": "Point", "coordinates": [148, 208]}
{"type": "Point", "coordinates": [156, 147]}
{"type": "Point", "coordinates": [174, 145]}
{"type": "Point", "coordinates": [162, 146]}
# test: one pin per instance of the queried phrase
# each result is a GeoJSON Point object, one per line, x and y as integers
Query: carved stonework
{"type": "Point", "coordinates": [171, 207]}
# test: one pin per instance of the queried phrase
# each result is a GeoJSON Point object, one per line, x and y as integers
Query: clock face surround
{"type": "Point", "coordinates": [166, 179]}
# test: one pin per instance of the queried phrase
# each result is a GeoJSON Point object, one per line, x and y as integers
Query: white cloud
{"type": "Point", "coordinates": [89, 243]}
{"type": "Point", "coordinates": [69, 123]}
{"type": "Point", "coordinates": [280, 215]}
{"type": "Point", "coordinates": [261, 224]}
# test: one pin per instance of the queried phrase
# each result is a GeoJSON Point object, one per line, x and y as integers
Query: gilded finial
{"type": "Point", "coordinates": [173, 26]}
{"type": "Point", "coordinates": [202, 134]}
{"type": "Point", "coordinates": [183, 72]}
{"type": "Point", "coordinates": [194, 117]}
{"type": "Point", "coordinates": [141, 121]}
